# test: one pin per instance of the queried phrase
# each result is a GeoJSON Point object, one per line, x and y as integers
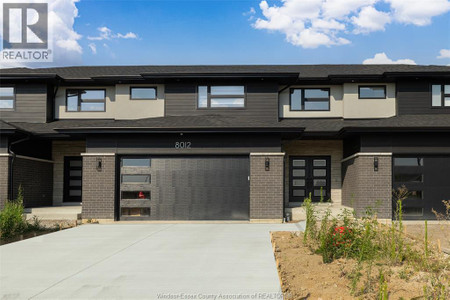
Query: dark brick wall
{"type": "Point", "coordinates": [98, 187]}
{"type": "Point", "coordinates": [4, 178]}
{"type": "Point", "coordinates": [36, 178]}
{"type": "Point", "coordinates": [362, 187]}
{"type": "Point", "coordinates": [266, 187]}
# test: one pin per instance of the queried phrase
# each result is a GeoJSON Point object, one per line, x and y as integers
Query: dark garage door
{"type": "Point", "coordinates": [184, 188]}
{"type": "Point", "coordinates": [427, 179]}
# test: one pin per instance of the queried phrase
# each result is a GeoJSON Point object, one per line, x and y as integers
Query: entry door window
{"type": "Point", "coordinates": [73, 178]}
{"type": "Point", "coordinates": [309, 175]}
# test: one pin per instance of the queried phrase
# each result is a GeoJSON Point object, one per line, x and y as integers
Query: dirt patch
{"type": "Point", "coordinates": [305, 276]}
{"type": "Point", "coordinates": [437, 233]}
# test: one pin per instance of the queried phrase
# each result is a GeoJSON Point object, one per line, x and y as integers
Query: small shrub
{"type": "Point", "coordinates": [311, 220]}
{"type": "Point", "coordinates": [12, 221]}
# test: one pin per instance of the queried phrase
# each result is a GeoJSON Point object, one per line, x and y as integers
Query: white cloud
{"type": "Point", "coordinates": [369, 19]}
{"type": "Point", "coordinates": [93, 48]}
{"type": "Point", "coordinates": [314, 23]}
{"type": "Point", "coordinates": [444, 53]}
{"type": "Point", "coordinates": [382, 59]}
{"type": "Point", "coordinates": [61, 18]}
{"type": "Point", "coordinates": [107, 34]}
{"type": "Point", "coordinates": [418, 12]}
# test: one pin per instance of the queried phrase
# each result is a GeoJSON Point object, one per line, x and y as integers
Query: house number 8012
{"type": "Point", "coordinates": [182, 145]}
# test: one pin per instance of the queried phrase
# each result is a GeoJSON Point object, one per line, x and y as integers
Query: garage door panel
{"type": "Point", "coordinates": [199, 188]}
{"type": "Point", "coordinates": [428, 190]}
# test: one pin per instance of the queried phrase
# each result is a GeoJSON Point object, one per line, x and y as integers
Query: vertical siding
{"type": "Point", "coordinates": [261, 101]}
{"type": "Point", "coordinates": [30, 106]}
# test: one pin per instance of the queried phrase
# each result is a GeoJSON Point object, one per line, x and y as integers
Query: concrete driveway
{"type": "Point", "coordinates": [145, 261]}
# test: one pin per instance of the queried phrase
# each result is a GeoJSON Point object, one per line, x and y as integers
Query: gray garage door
{"type": "Point", "coordinates": [427, 179]}
{"type": "Point", "coordinates": [184, 188]}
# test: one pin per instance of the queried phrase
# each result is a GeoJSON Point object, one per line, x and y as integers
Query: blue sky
{"type": "Point", "coordinates": [252, 32]}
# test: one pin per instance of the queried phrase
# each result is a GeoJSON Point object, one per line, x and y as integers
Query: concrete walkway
{"type": "Point", "coordinates": [143, 261]}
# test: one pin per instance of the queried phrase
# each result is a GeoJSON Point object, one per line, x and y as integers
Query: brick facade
{"type": "Point", "coordinates": [4, 179]}
{"type": "Point", "coordinates": [363, 187]}
{"type": "Point", "coordinates": [60, 149]}
{"type": "Point", "coordinates": [99, 187]}
{"type": "Point", "coordinates": [36, 178]}
{"type": "Point", "coordinates": [266, 187]}
{"type": "Point", "coordinates": [333, 148]}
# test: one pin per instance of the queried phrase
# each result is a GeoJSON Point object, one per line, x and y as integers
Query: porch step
{"type": "Point", "coordinates": [298, 213]}
{"type": "Point", "coordinates": [70, 213]}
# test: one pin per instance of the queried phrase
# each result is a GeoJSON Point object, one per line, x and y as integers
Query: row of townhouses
{"type": "Point", "coordinates": [225, 142]}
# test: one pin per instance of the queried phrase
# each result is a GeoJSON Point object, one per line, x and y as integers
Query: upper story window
{"type": "Point", "coordinates": [85, 100]}
{"type": "Point", "coordinates": [7, 98]}
{"type": "Point", "coordinates": [219, 96]}
{"type": "Point", "coordinates": [143, 93]}
{"type": "Point", "coordinates": [372, 92]}
{"type": "Point", "coordinates": [310, 99]}
{"type": "Point", "coordinates": [440, 95]}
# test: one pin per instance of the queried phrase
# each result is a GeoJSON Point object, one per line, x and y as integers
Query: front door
{"type": "Point", "coordinates": [73, 171]}
{"type": "Point", "coordinates": [309, 175]}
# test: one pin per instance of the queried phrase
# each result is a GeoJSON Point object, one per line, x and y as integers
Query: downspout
{"type": "Point", "coordinates": [11, 165]}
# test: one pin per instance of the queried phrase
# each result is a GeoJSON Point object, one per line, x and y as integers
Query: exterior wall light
{"type": "Point", "coordinates": [267, 164]}
{"type": "Point", "coordinates": [99, 164]}
{"type": "Point", "coordinates": [375, 164]}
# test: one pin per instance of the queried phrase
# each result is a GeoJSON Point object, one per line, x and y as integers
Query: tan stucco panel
{"type": "Point", "coordinates": [119, 106]}
{"type": "Point", "coordinates": [137, 109]}
{"type": "Point", "coordinates": [355, 108]}
{"type": "Point", "coordinates": [336, 103]}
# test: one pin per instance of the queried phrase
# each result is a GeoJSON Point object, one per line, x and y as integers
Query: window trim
{"type": "Point", "coordinates": [144, 87]}
{"type": "Point", "coordinates": [9, 98]}
{"type": "Point", "coordinates": [443, 95]}
{"type": "Point", "coordinates": [79, 101]}
{"type": "Point", "coordinates": [302, 104]}
{"type": "Point", "coordinates": [369, 86]}
{"type": "Point", "coordinates": [209, 96]}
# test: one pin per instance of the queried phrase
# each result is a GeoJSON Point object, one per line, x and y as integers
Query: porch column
{"type": "Point", "coordinates": [99, 186]}
{"type": "Point", "coordinates": [266, 186]}
{"type": "Point", "coordinates": [367, 183]}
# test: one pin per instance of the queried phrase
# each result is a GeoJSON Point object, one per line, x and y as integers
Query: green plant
{"type": "Point", "coordinates": [383, 289]}
{"type": "Point", "coordinates": [426, 239]}
{"type": "Point", "coordinates": [311, 220]}
{"type": "Point", "coordinates": [12, 221]}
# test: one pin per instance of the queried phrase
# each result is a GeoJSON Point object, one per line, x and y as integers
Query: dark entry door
{"type": "Point", "coordinates": [309, 175]}
{"type": "Point", "coordinates": [185, 188]}
{"type": "Point", "coordinates": [73, 178]}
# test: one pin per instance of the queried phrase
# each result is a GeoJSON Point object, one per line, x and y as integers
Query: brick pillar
{"type": "Point", "coordinates": [99, 186]}
{"type": "Point", "coordinates": [4, 179]}
{"type": "Point", "coordinates": [266, 186]}
{"type": "Point", "coordinates": [363, 187]}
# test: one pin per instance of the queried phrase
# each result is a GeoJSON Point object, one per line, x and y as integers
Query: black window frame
{"type": "Point", "coordinates": [80, 100]}
{"type": "Point", "coordinates": [302, 99]}
{"type": "Point", "coordinates": [372, 86]}
{"type": "Point", "coordinates": [9, 98]}
{"type": "Point", "coordinates": [443, 95]}
{"type": "Point", "coordinates": [143, 87]}
{"type": "Point", "coordinates": [209, 96]}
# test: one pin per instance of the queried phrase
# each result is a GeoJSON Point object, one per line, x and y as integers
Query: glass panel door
{"type": "Point", "coordinates": [73, 174]}
{"type": "Point", "coordinates": [309, 175]}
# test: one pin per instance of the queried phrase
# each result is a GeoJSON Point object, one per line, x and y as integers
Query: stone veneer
{"type": "Point", "coordinates": [99, 187]}
{"type": "Point", "coordinates": [333, 148]}
{"type": "Point", "coordinates": [59, 150]}
{"type": "Point", "coordinates": [266, 187]}
{"type": "Point", "coordinates": [4, 179]}
{"type": "Point", "coordinates": [363, 187]}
